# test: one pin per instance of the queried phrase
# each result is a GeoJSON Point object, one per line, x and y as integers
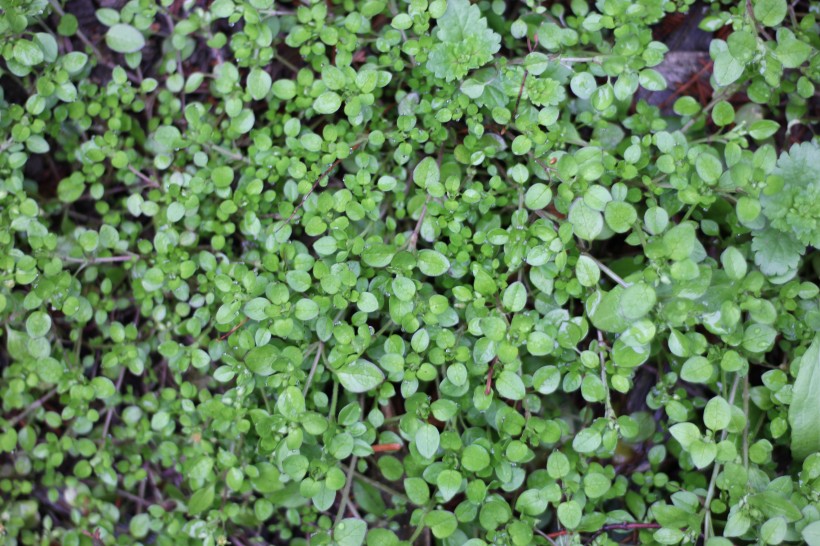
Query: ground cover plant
{"type": "Point", "coordinates": [409, 272]}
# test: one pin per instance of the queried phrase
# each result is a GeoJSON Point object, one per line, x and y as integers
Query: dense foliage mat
{"type": "Point", "coordinates": [405, 271]}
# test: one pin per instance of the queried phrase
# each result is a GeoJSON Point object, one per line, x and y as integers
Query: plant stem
{"type": "Point", "coordinates": [414, 237]}
{"type": "Point", "coordinates": [609, 411]}
{"type": "Point", "coordinates": [746, 426]}
{"type": "Point", "coordinates": [609, 273]}
{"type": "Point", "coordinates": [419, 528]}
{"type": "Point", "coordinates": [346, 491]}
{"type": "Point", "coordinates": [331, 416]}
{"type": "Point", "coordinates": [313, 367]}
{"type": "Point", "coordinates": [378, 485]}
{"type": "Point", "coordinates": [37, 403]}
{"type": "Point", "coordinates": [148, 181]}
{"type": "Point", "coordinates": [80, 34]}
{"type": "Point", "coordinates": [100, 260]}
{"type": "Point", "coordinates": [710, 493]}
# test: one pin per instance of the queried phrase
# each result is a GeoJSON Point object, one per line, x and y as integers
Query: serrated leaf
{"type": "Point", "coordinates": [776, 253]}
{"type": "Point", "coordinates": [466, 42]}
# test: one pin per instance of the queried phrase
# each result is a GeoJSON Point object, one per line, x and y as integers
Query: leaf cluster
{"type": "Point", "coordinates": [407, 272]}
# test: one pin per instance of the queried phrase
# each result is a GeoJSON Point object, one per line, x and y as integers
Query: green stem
{"type": "Point", "coordinates": [420, 527]}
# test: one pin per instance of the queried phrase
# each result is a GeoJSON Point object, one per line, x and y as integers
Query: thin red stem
{"type": "Point", "coordinates": [381, 448]}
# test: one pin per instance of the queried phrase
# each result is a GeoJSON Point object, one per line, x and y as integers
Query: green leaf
{"type": "Point", "coordinates": [350, 532]}
{"type": "Point", "coordinates": [596, 485]}
{"type": "Point", "coordinates": [569, 514]}
{"type": "Point", "coordinates": [201, 500]}
{"type": "Point", "coordinates": [426, 173]}
{"type": "Point", "coordinates": [770, 12]}
{"type": "Point", "coordinates": [637, 300]}
{"type": "Point", "coordinates": [587, 223]}
{"type": "Point", "coordinates": [378, 255]}
{"type": "Point", "coordinates": [139, 525]}
{"type": "Point", "coordinates": [685, 433]}
{"type": "Point", "coordinates": [773, 531]}
{"type": "Point", "coordinates": [652, 80]}
{"type": "Point", "coordinates": [260, 360]}
{"type": "Point", "coordinates": [804, 410]}
{"type": "Point", "coordinates": [586, 441]}
{"type": "Point", "coordinates": [776, 253]}
{"type": "Point", "coordinates": [103, 387]}
{"type": "Point", "coordinates": [538, 196]}
{"type": "Point", "coordinates": [583, 85]}
{"type": "Point", "coordinates": [759, 338]}
{"type": "Point", "coordinates": [697, 369]}
{"type": "Point", "coordinates": [587, 271]}
{"type": "Point", "coordinates": [27, 53]}
{"type": "Point", "coordinates": [548, 378]}
{"type": "Point", "coordinates": [515, 297]}
{"type": "Point", "coordinates": [708, 167]}
{"type": "Point", "coordinates": [717, 414]}
{"type": "Point", "coordinates": [432, 263]}
{"type": "Point", "coordinates": [417, 490]}
{"type": "Point", "coordinates": [620, 216]}
{"type": "Point", "coordinates": [531, 502]}
{"type": "Point", "coordinates": [360, 376]}
{"type": "Point", "coordinates": [291, 403]}
{"type": "Point", "coordinates": [403, 288]}
{"type": "Point", "coordinates": [449, 482]}
{"type": "Point", "coordinates": [284, 89]}
{"type": "Point", "coordinates": [442, 523]}
{"type": "Point", "coordinates": [734, 263]}
{"type": "Point", "coordinates": [38, 324]}
{"type": "Point", "coordinates": [738, 522]}
{"type": "Point", "coordinates": [763, 128]}
{"type": "Point", "coordinates": [510, 386]}
{"type": "Point", "coordinates": [703, 453]}
{"type": "Point", "coordinates": [259, 83]}
{"type": "Point", "coordinates": [475, 458]}
{"type": "Point", "coordinates": [427, 440]}
{"type": "Point", "coordinates": [772, 504]}
{"type": "Point", "coordinates": [327, 103]}
{"type": "Point", "coordinates": [255, 309]}
{"type": "Point", "coordinates": [124, 38]}
{"type": "Point", "coordinates": [791, 51]}
{"type": "Point", "coordinates": [811, 533]}
{"type": "Point", "coordinates": [465, 41]}
{"type": "Point", "coordinates": [74, 61]}
{"type": "Point", "coordinates": [727, 69]}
